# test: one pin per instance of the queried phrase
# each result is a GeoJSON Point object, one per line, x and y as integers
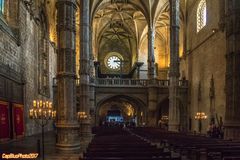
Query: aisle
{"type": "Point", "coordinates": [116, 143]}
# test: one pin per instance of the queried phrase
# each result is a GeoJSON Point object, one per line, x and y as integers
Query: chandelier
{"type": "Point", "coordinates": [164, 118]}
{"type": "Point", "coordinates": [200, 115]}
{"type": "Point", "coordinates": [42, 110]}
{"type": "Point", "coordinates": [82, 115]}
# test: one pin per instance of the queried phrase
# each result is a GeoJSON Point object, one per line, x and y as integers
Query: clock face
{"type": "Point", "coordinates": [113, 62]}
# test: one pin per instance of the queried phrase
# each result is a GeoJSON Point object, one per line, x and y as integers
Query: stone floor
{"type": "Point", "coordinates": [29, 144]}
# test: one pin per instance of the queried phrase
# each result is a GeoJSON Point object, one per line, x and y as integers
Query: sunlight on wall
{"type": "Point", "coordinates": [77, 41]}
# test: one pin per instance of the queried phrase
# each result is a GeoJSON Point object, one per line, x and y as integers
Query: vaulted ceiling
{"type": "Point", "coordinates": [127, 22]}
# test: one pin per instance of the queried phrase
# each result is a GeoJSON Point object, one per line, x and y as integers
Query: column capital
{"type": "Point", "coordinates": [151, 29]}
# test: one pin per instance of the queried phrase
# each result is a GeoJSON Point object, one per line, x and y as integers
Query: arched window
{"type": "Point", "coordinates": [1, 7]}
{"type": "Point", "coordinates": [201, 15]}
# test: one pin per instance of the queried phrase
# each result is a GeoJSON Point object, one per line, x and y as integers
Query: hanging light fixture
{"type": "Point", "coordinates": [42, 110]}
{"type": "Point", "coordinates": [200, 116]}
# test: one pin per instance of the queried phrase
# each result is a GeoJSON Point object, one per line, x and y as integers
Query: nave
{"type": "Point", "coordinates": [154, 143]}
{"type": "Point", "coordinates": [139, 143]}
{"type": "Point", "coordinates": [115, 143]}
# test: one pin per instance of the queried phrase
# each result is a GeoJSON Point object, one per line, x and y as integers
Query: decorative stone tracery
{"type": "Point", "coordinates": [43, 56]}
{"type": "Point", "coordinates": [67, 125]}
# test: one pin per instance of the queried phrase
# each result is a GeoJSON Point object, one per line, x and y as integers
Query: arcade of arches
{"type": "Point", "coordinates": [119, 62]}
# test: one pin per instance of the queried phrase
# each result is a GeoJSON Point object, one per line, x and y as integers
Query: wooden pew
{"type": "Point", "coordinates": [115, 143]}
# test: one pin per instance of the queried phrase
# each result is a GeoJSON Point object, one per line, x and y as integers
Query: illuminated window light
{"type": "Point", "coordinates": [201, 15]}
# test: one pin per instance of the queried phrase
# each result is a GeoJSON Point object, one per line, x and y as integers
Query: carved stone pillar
{"type": "Point", "coordinates": [232, 118]}
{"type": "Point", "coordinates": [92, 103]}
{"type": "Point", "coordinates": [152, 92]}
{"type": "Point", "coordinates": [85, 124]}
{"type": "Point", "coordinates": [67, 125]}
{"type": "Point", "coordinates": [174, 66]}
{"type": "Point", "coordinates": [152, 106]}
{"type": "Point", "coordinates": [151, 59]}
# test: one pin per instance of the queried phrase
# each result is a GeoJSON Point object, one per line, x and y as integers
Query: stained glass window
{"type": "Point", "coordinates": [201, 15]}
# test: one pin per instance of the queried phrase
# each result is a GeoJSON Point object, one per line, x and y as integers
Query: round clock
{"type": "Point", "coordinates": [113, 62]}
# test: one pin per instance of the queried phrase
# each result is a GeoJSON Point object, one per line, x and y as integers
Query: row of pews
{"type": "Point", "coordinates": [116, 143]}
{"type": "Point", "coordinates": [192, 147]}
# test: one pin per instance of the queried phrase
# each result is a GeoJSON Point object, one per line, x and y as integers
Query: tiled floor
{"type": "Point", "coordinates": [30, 145]}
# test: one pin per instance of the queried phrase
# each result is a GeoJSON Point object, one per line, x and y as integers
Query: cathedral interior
{"type": "Point", "coordinates": [82, 72]}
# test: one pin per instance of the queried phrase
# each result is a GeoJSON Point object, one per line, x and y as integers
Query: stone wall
{"type": "Point", "coordinates": [29, 45]}
{"type": "Point", "coordinates": [205, 59]}
{"type": "Point", "coordinates": [20, 53]}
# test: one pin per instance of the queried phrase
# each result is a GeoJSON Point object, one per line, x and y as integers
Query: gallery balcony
{"type": "Point", "coordinates": [117, 82]}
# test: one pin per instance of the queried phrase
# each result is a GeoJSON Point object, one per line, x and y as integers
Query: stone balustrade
{"type": "Point", "coordinates": [117, 82]}
{"type": "Point", "coordinates": [121, 82]}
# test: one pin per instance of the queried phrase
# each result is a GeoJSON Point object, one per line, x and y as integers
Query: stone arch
{"type": "Point", "coordinates": [163, 110]}
{"type": "Point", "coordinates": [139, 105]}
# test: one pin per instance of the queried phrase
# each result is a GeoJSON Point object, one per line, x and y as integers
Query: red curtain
{"type": "Point", "coordinates": [18, 120]}
{"type": "Point", "coordinates": [4, 121]}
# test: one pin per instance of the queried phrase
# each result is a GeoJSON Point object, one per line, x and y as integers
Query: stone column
{"type": "Point", "coordinates": [96, 67]}
{"type": "Point", "coordinates": [151, 59]}
{"type": "Point", "coordinates": [232, 118]}
{"type": "Point", "coordinates": [67, 125]}
{"type": "Point", "coordinates": [174, 66]}
{"type": "Point", "coordinates": [152, 94]}
{"type": "Point", "coordinates": [85, 124]}
{"type": "Point", "coordinates": [92, 104]}
{"type": "Point", "coordinates": [152, 105]}
{"type": "Point", "coordinates": [139, 65]}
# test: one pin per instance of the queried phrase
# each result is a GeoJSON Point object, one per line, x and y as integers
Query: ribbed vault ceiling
{"type": "Point", "coordinates": [127, 20]}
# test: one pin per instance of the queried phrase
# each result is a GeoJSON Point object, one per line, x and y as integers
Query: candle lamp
{"type": "Point", "coordinates": [164, 118]}
{"type": "Point", "coordinates": [82, 115]}
{"type": "Point", "coordinates": [200, 116]}
{"type": "Point", "coordinates": [42, 112]}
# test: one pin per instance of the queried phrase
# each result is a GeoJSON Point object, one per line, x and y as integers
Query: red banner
{"type": "Point", "coordinates": [4, 121]}
{"type": "Point", "coordinates": [18, 120]}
